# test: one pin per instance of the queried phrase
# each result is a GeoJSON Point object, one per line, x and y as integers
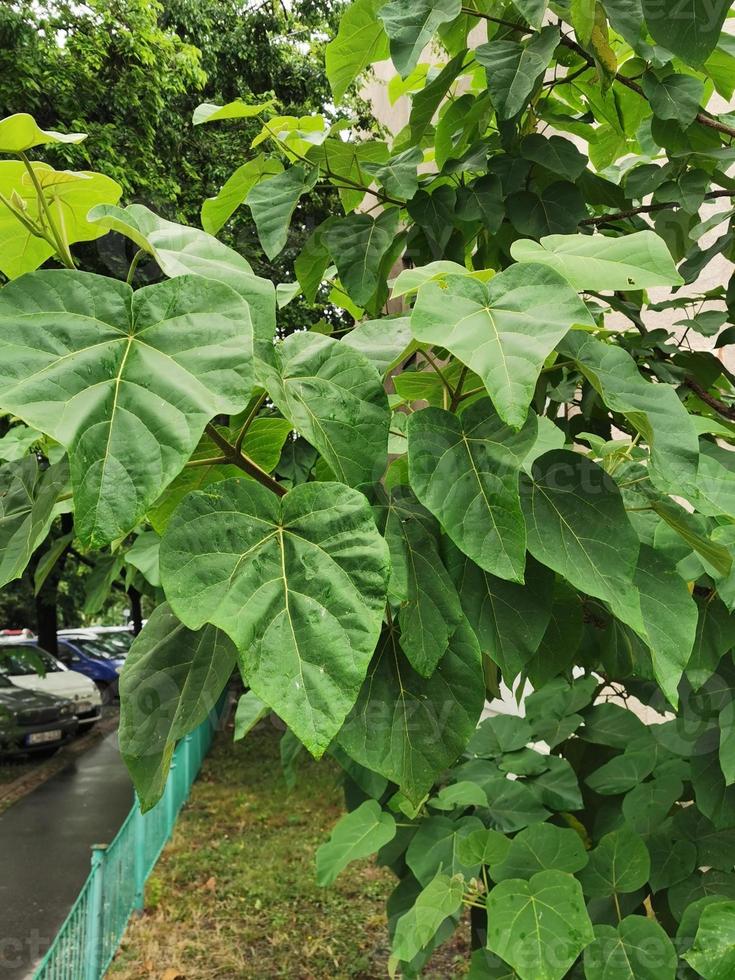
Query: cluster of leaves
{"type": "Point", "coordinates": [516, 475]}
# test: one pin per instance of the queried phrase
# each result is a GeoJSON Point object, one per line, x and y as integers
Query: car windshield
{"type": "Point", "coordinates": [94, 648]}
{"type": "Point", "coordinates": [19, 661]}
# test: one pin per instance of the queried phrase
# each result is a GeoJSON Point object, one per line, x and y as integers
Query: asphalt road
{"type": "Point", "coordinates": [45, 841]}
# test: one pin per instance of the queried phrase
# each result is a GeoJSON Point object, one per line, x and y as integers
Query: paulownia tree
{"type": "Point", "coordinates": [516, 466]}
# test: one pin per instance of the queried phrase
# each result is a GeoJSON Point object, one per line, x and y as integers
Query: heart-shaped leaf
{"type": "Point", "coordinates": [299, 584]}
{"type": "Point", "coordinates": [503, 331]}
{"type": "Point", "coordinates": [20, 132]}
{"type": "Point", "coordinates": [358, 834]}
{"type": "Point", "coordinates": [125, 381]}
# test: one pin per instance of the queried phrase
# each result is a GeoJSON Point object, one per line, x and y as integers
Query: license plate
{"type": "Point", "coordinates": [39, 738]}
{"type": "Point", "coordinates": [83, 706]}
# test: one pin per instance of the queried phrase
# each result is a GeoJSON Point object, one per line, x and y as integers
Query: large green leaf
{"type": "Point", "coordinates": [653, 409]}
{"type": "Point", "coordinates": [691, 30]}
{"type": "Point", "coordinates": [541, 847]}
{"type": "Point", "coordinates": [409, 728]}
{"type": "Point", "coordinates": [577, 524]}
{"type": "Point", "coordinates": [360, 41]}
{"type": "Point", "coordinates": [509, 620]}
{"type": "Point", "coordinates": [411, 24]}
{"type": "Point", "coordinates": [430, 608]}
{"type": "Point", "coordinates": [513, 69]}
{"type": "Point", "coordinates": [539, 926]}
{"type": "Point", "coordinates": [466, 471]}
{"type": "Point", "coordinates": [299, 584]}
{"type": "Point", "coordinates": [358, 245]}
{"type": "Point", "coordinates": [713, 952]}
{"type": "Point", "coordinates": [439, 844]}
{"type": "Point", "coordinates": [170, 683]}
{"type": "Point", "coordinates": [385, 342]}
{"type": "Point", "coordinates": [674, 96]}
{"type": "Point", "coordinates": [620, 863]}
{"type": "Point", "coordinates": [125, 381]}
{"type": "Point", "coordinates": [603, 263]}
{"type": "Point", "coordinates": [27, 498]}
{"type": "Point", "coordinates": [638, 949]}
{"type": "Point", "coordinates": [209, 112]}
{"type": "Point", "coordinates": [273, 201]}
{"type": "Point", "coordinates": [69, 196]}
{"type": "Point", "coordinates": [335, 398]}
{"type": "Point", "coordinates": [415, 929]}
{"type": "Point", "coordinates": [217, 210]}
{"type": "Point", "coordinates": [20, 132]}
{"type": "Point", "coordinates": [180, 250]}
{"type": "Point", "coordinates": [357, 835]}
{"type": "Point", "coordinates": [555, 209]}
{"type": "Point", "coordinates": [504, 330]}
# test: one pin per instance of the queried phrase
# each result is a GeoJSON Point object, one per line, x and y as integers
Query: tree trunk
{"type": "Point", "coordinates": [47, 616]}
{"type": "Point", "coordinates": [136, 613]}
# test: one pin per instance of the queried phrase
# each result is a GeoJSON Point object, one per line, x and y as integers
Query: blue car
{"type": "Point", "coordinates": [85, 654]}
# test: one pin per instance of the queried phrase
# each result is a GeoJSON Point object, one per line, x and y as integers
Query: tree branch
{"type": "Point", "coordinates": [647, 209]}
{"type": "Point", "coordinates": [246, 465]}
{"type": "Point", "coordinates": [727, 411]}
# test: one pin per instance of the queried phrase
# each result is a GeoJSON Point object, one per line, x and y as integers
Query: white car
{"type": "Point", "coordinates": [19, 663]}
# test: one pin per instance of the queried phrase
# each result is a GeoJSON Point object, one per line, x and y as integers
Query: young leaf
{"type": "Point", "coordinates": [250, 710]}
{"type": "Point", "coordinates": [513, 69]}
{"type": "Point", "coordinates": [539, 926]}
{"type": "Point", "coordinates": [357, 835]}
{"type": "Point", "coordinates": [466, 471]}
{"type": "Point", "coordinates": [358, 245]}
{"type": "Point", "coordinates": [503, 331]}
{"type": "Point", "coordinates": [577, 524]}
{"type": "Point", "coordinates": [20, 132]}
{"type": "Point", "coordinates": [411, 24]}
{"type": "Point", "coordinates": [273, 201]}
{"type": "Point", "coordinates": [171, 681]}
{"type": "Point", "coordinates": [360, 41]}
{"type": "Point", "coordinates": [209, 112]}
{"type": "Point", "coordinates": [27, 499]}
{"type": "Point", "coordinates": [441, 898]}
{"type": "Point", "coordinates": [298, 584]}
{"type": "Point", "coordinates": [161, 362]}
{"type": "Point", "coordinates": [335, 398]}
{"type": "Point", "coordinates": [409, 728]}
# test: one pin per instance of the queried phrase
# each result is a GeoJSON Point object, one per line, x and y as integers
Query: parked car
{"type": "Point", "coordinates": [30, 721]}
{"type": "Point", "coordinates": [26, 665]}
{"type": "Point", "coordinates": [116, 640]}
{"type": "Point", "coordinates": [85, 654]}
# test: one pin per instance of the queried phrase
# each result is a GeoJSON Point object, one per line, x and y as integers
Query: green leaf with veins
{"type": "Point", "coordinates": [299, 584]}
{"type": "Point", "coordinates": [638, 949]}
{"type": "Point", "coordinates": [541, 847]}
{"type": "Point", "coordinates": [503, 331]}
{"type": "Point", "coordinates": [577, 524]}
{"type": "Point", "coordinates": [620, 863]}
{"type": "Point", "coordinates": [273, 201]}
{"type": "Point", "coordinates": [358, 243]}
{"type": "Point", "coordinates": [359, 833]}
{"type": "Point", "coordinates": [430, 609]}
{"type": "Point", "coordinates": [335, 398]}
{"type": "Point", "coordinates": [509, 619]}
{"type": "Point", "coordinates": [539, 926]}
{"type": "Point", "coordinates": [713, 952]}
{"type": "Point", "coordinates": [415, 929]}
{"type": "Point", "coordinates": [69, 196]}
{"type": "Point", "coordinates": [692, 32]}
{"type": "Point", "coordinates": [410, 26]}
{"type": "Point", "coordinates": [514, 69]}
{"type": "Point", "coordinates": [180, 250]}
{"type": "Point", "coordinates": [217, 210]}
{"type": "Point", "coordinates": [250, 710]}
{"type": "Point", "coordinates": [20, 132]}
{"type": "Point", "coordinates": [409, 728]}
{"type": "Point", "coordinates": [125, 381]}
{"type": "Point", "coordinates": [360, 41]}
{"type": "Point", "coordinates": [674, 96]}
{"type": "Point", "coordinates": [170, 683]}
{"type": "Point", "coordinates": [385, 342]}
{"type": "Point", "coordinates": [27, 499]}
{"type": "Point", "coordinates": [466, 471]}
{"type": "Point", "coordinates": [209, 112]}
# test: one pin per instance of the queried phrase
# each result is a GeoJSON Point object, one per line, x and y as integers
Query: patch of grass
{"type": "Point", "coordinates": [234, 895]}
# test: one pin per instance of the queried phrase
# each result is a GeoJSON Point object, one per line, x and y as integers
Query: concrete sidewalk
{"type": "Point", "coordinates": [45, 841]}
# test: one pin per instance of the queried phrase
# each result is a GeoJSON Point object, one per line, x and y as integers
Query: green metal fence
{"type": "Point", "coordinates": [91, 933]}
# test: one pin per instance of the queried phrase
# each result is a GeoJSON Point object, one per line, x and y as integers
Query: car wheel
{"type": "Point", "coordinates": [106, 691]}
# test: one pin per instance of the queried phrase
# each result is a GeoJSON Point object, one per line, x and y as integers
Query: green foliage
{"type": "Point", "coordinates": [519, 471]}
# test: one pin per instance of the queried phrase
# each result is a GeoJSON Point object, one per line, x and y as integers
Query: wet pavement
{"type": "Point", "coordinates": [45, 841]}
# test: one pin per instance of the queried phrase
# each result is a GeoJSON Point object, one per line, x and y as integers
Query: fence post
{"type": "Point", "coordinates": [93, 945]}
{"type": "Point", "coordinates": [169, 798]}
{"type": "Point", "coordinates": [187, 763]}
{"type": "Point", "coordinates": [139, 856]}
